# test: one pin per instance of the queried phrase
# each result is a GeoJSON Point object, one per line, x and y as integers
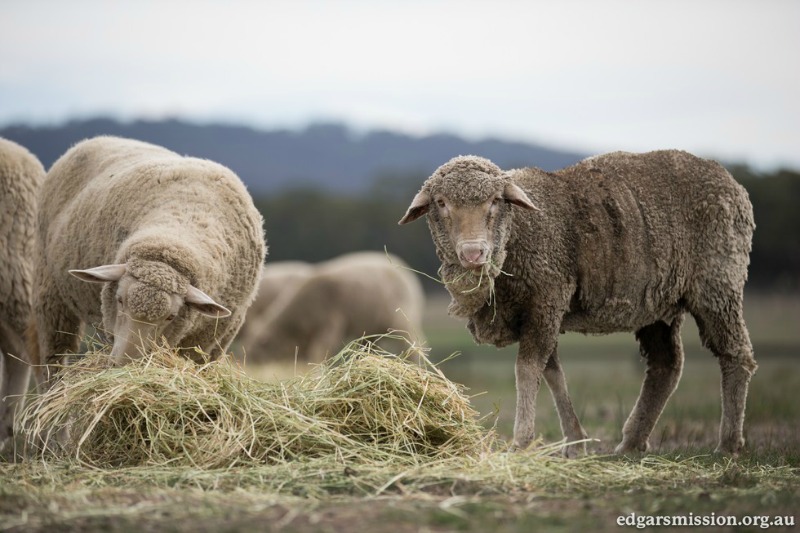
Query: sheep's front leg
{"type": "Point", "coordinates": [570, 425]}
{"type": "Point", "coordinates": [220, 345]}
{"type": "Point", "coordinates": [531, 360]}
{"type": "Point", "coordinates": [58, 331]}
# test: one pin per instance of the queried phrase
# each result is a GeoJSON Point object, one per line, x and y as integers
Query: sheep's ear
{"type": "Point", "coordinates": [513, 194]}
{"type": "Point", "coordinates": [101, 274]}
{"type": "Point", "coordinates": [201, 301]}
{"type": "Point", "coordinates": [419, 206]}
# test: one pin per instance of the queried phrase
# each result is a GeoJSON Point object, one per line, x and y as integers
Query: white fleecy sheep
{"type": "Point", "coordinates": [618, 242]}
{"type": "Point", "coordinates": [21, 175]}
{"type": "Point", "coordinates": [172, 248]}
{"type": "Point", "coordinates": [276, 278]}
{"type": "Point", "coordinates": [363, 293]}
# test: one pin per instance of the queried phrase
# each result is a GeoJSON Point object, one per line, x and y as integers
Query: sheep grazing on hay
{"type": "Point", "coordinates": [363, 293]}
{"type": "Point", "coordinates": [21, 175]}
{"type": "Point", "coordinates": [171, 246]}
{"type": "Point", "coordinates": [618, 242]}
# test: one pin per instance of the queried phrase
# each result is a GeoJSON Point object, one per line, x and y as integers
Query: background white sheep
{"type": "Point", "coordinates": [341, 300]}
{"type": "Point", "coordinates": [276, 278]}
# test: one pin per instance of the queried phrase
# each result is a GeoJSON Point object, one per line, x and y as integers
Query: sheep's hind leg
{"type": "Point", "coordinates": [58, 332]}
{"type": "Point", "coordinates": [661, 345]}
{"type": "Point", "coordinates": [15, 377]}
{"type": "Point", "coordinates": [570, 425]}
{"type": "Point", "coordinates": [725, 334]}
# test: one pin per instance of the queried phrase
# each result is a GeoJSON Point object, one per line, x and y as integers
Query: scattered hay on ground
{"type": "Point", "coordinates": [164, 443]}
{"type": "Point", "coordinates": [362, 406]}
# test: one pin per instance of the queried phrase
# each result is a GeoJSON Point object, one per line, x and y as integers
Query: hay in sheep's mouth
{"type": "Point", "coordinates": [478, 278]}
{"type": "Point", "coordinates": [364, 404]}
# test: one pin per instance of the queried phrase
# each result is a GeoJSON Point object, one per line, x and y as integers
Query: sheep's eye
{"type": "Point", "coordinates": [170, 318]}
{"type": "Point", "coordinates": [497, 201]}
{"type": "Point", "coordinates": [440, 203]}
{"type": "Point", "coordinates": [119, 300]}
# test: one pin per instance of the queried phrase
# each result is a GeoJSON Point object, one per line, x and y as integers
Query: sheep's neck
{"type": "Point", "coordinates": [470, 290]}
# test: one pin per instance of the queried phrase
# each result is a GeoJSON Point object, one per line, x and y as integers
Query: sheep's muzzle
{"type": "Point", "coordinates": [473, 254]}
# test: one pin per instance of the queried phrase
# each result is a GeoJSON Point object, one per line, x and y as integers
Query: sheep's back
{"type": "Point", "coordinates": [633, 231]}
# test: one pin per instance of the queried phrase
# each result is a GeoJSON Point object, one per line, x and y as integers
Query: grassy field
{"type": "Point", "coordinates": [492, 491]}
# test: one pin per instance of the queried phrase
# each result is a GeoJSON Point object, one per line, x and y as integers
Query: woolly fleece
{"type": "Point", "coordinates": [173, 220]}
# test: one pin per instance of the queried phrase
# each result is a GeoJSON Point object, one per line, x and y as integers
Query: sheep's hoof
{"type": "Point", "coordinates": [631, 448]}
{"type": "Point", "coordinates": [521, 444]}
{"type": "Point", "coordinates": [732, 447]}
{"type": "Point", "coordinates": [573, 451]}
{"type": "Point", "coordinates": [6, 434]}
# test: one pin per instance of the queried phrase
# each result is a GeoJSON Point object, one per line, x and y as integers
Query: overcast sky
{"type": "Point", "coordinates": [718, 78]}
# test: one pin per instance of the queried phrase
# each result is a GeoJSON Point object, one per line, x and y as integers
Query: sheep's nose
{"type": "Point", "coordinates": [473, 253]}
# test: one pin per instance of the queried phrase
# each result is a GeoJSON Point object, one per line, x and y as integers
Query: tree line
{"type": "Point", "coordinates": [313, 225]}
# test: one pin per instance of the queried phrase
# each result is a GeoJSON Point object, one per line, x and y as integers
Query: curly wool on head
{"type": "Point", "coordinates": [148, 302]}
{"type": "Point", "coordinates": [160, 250]}
{"type": "Point", "coordinates": [467, 180]}
{"type": "Point", "coordinates": [159, 275]}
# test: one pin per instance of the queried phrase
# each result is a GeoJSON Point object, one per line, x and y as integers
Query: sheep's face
{"type": "Point", "coordinates": [471, 229]}
{"type": "Point", "coordinates": [144, 314]}
{"type": "Point", "coordinates": [139, 313]}
{"type": "Point", "coordinates": [468, 202]}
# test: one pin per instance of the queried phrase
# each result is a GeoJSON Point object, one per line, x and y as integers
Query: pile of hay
{"type": "Point", "coordinates": [363, 405]}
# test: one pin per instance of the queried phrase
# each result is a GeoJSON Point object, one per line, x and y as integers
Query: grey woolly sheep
{"type": "Point", "coordinates": [618, 242]}
{"type": "Point", "coordinates": [344, 299]}
{"type": "Point", "coordinates": [276, 278]}
{"type": "Point", "coordinates": [172, 247]}
{"type": "Point", "coordinates": [21, 175]}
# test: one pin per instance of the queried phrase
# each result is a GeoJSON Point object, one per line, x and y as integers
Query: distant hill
{"type": "Point", "coordinates": [329, 156]}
